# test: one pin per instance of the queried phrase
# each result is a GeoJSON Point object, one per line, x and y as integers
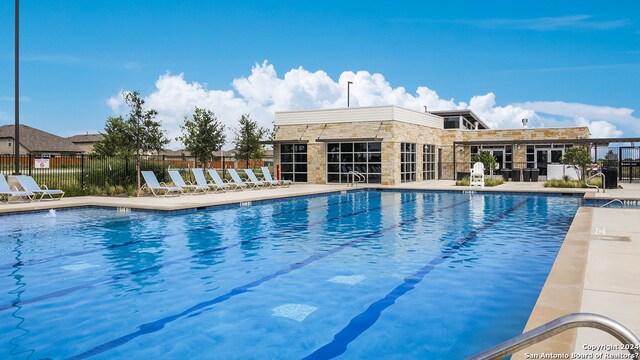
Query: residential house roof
{"type": "Point", "coordinates": [85, 138]}
{"type": "Point", "coordinates": [36, 140]}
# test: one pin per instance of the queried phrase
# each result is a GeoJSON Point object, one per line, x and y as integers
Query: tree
{"type": "Point", "coordinates": [487, 159]}
{"type": "Point", "coordinates": [139, 134]}
{"type": "Point", "coordinates": [578, 158]}
{"type": "Point", "coordinates": [117, 139]}
{"type": "Point", "coordinates": [247, 140]}
{"type": "Point", "coordinates": [202, 135]}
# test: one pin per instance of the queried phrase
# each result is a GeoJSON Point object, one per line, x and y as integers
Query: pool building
{"type": "Point", "coordinates": [390, 145]}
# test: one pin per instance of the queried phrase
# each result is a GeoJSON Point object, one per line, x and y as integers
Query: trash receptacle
{"type": "Point", "coordinates": [506, 174]}
{"type": "Point", "coordinates": [535, 172]}
{"type": "Point", "coordinates": [515, 174]}
{"type": "Point", "coordinates": [526, 174]}
{"type": "Point", "coordinates": [610, 178]}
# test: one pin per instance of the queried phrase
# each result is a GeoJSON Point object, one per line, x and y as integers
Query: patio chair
{"type": "Point", "coordinates": [7, 192]}
{"type": "Point", "coordinates": [236, 179]}
{"type": "Point", "coordinates": [267, 177]}
{"type": "Point", "coordinates": [254, 179]}
{"type": "Point", "coordinates": [476, 177]}
{"type": "Point", "coordinates": [201, 180]}
{"type": "Point", "coordinates": [184, 185]}
{"type": "Point", "coordinates": [224, 183]}
{"type": "Point", "coordinates": [30, 185]}
{"type": "Point", "coordinates": [158, 188]}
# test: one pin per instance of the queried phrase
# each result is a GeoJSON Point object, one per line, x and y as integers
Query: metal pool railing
{"type": "Point", "coordinates": [625, 336]}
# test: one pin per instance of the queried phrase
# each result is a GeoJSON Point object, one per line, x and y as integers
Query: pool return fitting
{"type": "Point", "coordinates": [559, 325]}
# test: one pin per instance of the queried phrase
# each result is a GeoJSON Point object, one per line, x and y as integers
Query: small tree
{"type": "Point", "coordinates": [117, 139]}
{"type": "Point", "coordinates": [139, 134]}
{"type": "Point", "coordinates": [247, 140]}
{"type": "Point", "coordinates": [578, 158]}
{"type": "Point", "coordinates": [487, 159]}
{"type": "Point", "coordinates": [202, 135]}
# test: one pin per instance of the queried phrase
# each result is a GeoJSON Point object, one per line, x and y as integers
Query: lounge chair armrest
{"type": "Point", "coordinates": [188, 183]}
{"type": "Point", "coordinates": [163, 184]}
{"type": "Point", "coordinates": [225, 181]}
{"type": "Point", "coordinates": [44, 187]}
{"type": "Point", "coordinates": [262, 179]}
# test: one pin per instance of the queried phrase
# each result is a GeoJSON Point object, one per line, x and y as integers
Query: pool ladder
{"type": "Point", "coordinates": [355, 174]}
{"type": "Point", "coordinates": [563, 323]}
{"type": "Point", "coordinates": [595, 186]}
{"type": "Point", "coordinates": [614, 201]}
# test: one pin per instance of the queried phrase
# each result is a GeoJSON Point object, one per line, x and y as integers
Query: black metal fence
{"type": "Point", "coordinates": [84, 171]}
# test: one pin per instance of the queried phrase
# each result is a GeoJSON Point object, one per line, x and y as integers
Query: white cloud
{"type": "Point", "coordinates": [263, 92]}
{"type": "Point", "coordinates": [569, 22]}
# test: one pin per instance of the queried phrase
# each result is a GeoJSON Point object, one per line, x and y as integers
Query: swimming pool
{"type": "Point", "coordinates": [363, 274]}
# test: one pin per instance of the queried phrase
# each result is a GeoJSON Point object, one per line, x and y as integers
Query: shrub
{"type": "Point", "coordinates": [489, 182]}
{"type": "Point", "coordinates": [572, 184]}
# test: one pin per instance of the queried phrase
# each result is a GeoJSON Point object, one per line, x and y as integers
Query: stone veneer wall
{"type": "Point", "coordinates": [519, 155]}
{"type": "Point", "coordinates": [395, 132]}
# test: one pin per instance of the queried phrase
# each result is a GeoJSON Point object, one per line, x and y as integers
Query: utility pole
{"type": "Point", "coordinates": [16, 136]}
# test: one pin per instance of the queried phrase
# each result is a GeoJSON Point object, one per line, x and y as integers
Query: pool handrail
{"type": "Point", "coordinates": [561, 324]}
{"type": "Point", "coordinates": [596, 186]}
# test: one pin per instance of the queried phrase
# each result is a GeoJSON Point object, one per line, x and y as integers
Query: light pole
{"type": "Point", "coordinates": [348, 85]}
{"type": "Point", "coordinates": [16, 137]}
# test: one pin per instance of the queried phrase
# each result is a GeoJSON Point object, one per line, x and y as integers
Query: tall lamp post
{"type": "Point", "coordinates": [16, 138]}
{"type": "Point", "coordinates": [348, 85]}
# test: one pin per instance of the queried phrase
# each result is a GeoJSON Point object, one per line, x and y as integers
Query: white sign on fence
{"type": "Point", "coordinates": [41, 163]}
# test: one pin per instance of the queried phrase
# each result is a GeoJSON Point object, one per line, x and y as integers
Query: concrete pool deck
{"type": "Point", "coordinates": [595, 271]}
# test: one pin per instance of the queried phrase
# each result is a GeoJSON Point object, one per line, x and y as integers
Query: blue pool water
{"type": "Point", "coordinates": [361, 275]}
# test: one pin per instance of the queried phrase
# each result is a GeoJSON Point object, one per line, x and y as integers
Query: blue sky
{"type": "Point", "coordinates": [560, 62]}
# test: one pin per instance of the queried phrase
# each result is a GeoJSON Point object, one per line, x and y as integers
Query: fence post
{"type": "Point", "coordinates": [82, 171]}
{"type": "Point", "coordinates": [164, 168]}
{"type": "Point", "coordinates": [30, 164]}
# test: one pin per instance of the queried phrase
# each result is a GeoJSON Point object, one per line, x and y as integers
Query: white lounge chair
{"type": "Point", "coordinates": [224, 183]}
{"type": "Point", "coordinates": [7, 192]}
{"type": "Point", "coordinates": [476, 177]}
{"type": "Point", "coordinates": [30, 185]}
{"type": "Point", "coordinates": [198, 173]}
{"type": "Point", "coordinates": [254, 179]}
{"type": "Point", "coordinates": [158, 188]}
{"type": "Point", "coordinates": [267, 177]}
{"type": "Point", "coordinates": [184, 185]}
{"type": "Point", "coordinates": [238, 180]}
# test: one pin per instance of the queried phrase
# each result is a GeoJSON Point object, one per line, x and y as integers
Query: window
{"type": "Point", "coordinates": [293, 162]}
{"type": "Point", "coordinates": [363, 157]}
{"type": "Point", "coordinates": [407, 162]}
{"type": "Point", "coordinates": [451, 122]}
{"type": "Point", "coordinates": [429, 162]}
{"type": "Point", "coordinates": [502, 153]}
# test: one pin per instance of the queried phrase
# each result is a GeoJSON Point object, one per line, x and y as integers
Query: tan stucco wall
{"type": "Point", "coordinates": [85, 147]}
{"type": "Point", "coordinates": [6, 149]}
{"type": "Point", "coordinates": [394, 133]}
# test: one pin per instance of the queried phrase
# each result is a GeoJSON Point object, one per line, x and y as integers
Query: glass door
{"type": "Point", "coordinates": [542, 159]}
